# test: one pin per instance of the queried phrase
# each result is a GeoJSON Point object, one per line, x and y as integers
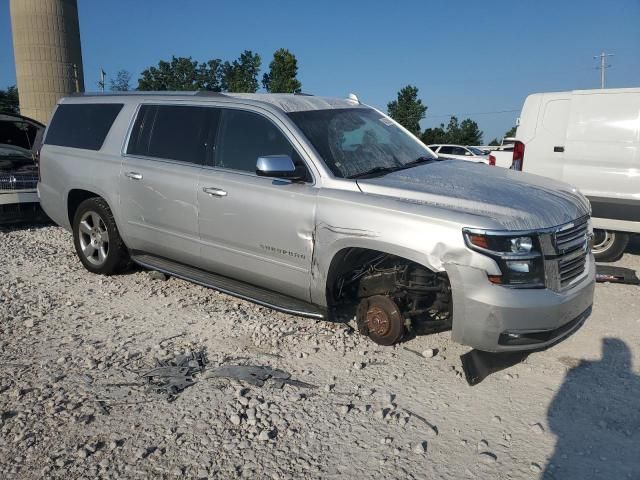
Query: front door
{"type": "Point", "coordinates": [159, 180]}
{"type": "Point", "coordinates": [256, 229]}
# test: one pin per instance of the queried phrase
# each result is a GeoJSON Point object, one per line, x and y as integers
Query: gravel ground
{"type": "Point", "coordinates": [73, 406]}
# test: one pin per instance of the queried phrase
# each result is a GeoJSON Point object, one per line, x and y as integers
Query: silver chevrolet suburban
{"type": "Point", "coordinates": [319, 207]}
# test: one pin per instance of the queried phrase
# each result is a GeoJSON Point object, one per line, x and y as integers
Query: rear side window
{"type": "Point", "coordinates": [174, 132]}
{"type": "Point", "coordinates": [82, 125]}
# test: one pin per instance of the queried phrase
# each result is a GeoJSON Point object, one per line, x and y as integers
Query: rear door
{"type": "Point", "coordinates": [256, 229]}
{"type": "Point", "coordinates": [159, 179]}
{"type": "Point", "coordinates": [545, 134]}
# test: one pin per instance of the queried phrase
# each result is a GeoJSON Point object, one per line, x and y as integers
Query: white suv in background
{"type": "Point", "coordinates": [458, 152]}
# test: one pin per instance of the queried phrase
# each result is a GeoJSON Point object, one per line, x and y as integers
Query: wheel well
{"type": "Point", "coordinates": [343, 262]}
{"type": "Point", "coordinates": [358, 273]}
{"type": "Point", "coordinates": [74, 199]}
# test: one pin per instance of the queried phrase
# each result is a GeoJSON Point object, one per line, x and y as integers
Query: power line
{"type": "Point", "coordinates": [471, 113]}
{"type": "Point", "coordinates": [603, 65]}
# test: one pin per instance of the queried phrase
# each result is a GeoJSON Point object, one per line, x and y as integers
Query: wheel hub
{"type": "Point", "coordinates": [378, 320]}
{"type": "Point", "coordinates": [602, 240]}
{"type": "Point", "coordinates": [95, 237]}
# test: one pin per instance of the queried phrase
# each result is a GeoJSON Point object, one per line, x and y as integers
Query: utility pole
{"type": "Point", "coordinates": [103, 74]}
{"type": "Point", "coordinates": [603, 66]}
{"type": "Point", "coordinates": [75, 77]}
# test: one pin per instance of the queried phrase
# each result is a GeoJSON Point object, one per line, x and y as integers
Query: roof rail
{"type": "Point", "coordinates": [209, 93]}
{"type": "Point", "coordinates": [194, 93]}
{"type": "Point", "coordinates": [303, 94]}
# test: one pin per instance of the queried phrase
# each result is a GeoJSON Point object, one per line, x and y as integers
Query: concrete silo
{"type": "Point", "coordinates": [46, 45]}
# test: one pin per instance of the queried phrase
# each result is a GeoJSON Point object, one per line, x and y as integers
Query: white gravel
{"type": "Point", "coordinates": [72, 406]}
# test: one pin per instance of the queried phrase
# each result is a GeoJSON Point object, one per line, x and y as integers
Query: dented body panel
{"type": "Point", "coordinates": [288, 237]}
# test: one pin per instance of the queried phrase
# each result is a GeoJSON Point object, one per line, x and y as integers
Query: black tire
{"type": "Point", "coordinates": [96, 238]}
{"type": "Point", "coordinates": [608, 245]}
{"type": "Point", "coordinates": [380, 318]}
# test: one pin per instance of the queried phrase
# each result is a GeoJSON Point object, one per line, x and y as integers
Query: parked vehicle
{"type": "Point", "coordinates": [458, 152]}
{"type": "Point", "coordinates": [19, 137]}
{"type": "Point", "coordinates": [504, 153]}
{"type": "Point", "coordinates": [319, 207]}
{"type": "Point", "coordinates": [590, 139]}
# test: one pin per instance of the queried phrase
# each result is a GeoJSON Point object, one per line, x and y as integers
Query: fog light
{"type": "Point", "coordinates": [519, 266]}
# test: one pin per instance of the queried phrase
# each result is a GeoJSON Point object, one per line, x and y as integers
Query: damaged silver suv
{"type": "Point", "coordinates": [319, 207]}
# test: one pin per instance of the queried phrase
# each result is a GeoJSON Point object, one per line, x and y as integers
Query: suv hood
{"type": "Point", "coordinates": [511, 199]}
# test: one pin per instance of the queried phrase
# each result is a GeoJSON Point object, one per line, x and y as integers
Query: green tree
{"type": "Point", "coordinates": [456, 132]}
{"type": "Point", "coordinates": [182, 73]}
{"type": "Point", "coordinates": [121, 82]}
{"type": "Point", "coordinates": [209, 75]}
{"type": "Point", "coordinates": [453, 131]}
{"type": "Point", "coordinates": [511, 132]}
{"type": "Point", "coordinates": [494, 143]}
{"type": "Point", "coordinates": [469, 133]}
{"type": "Point", "coordinates": [9, 101]}
{"type": "Point", "coordinates": [408, 109]}
{"type": "Point", "coordinates": [241, 75]}
{"type": "Point", "coordinates": [282, 73]}
{"type": "Point", "coordinates": [434, 135]}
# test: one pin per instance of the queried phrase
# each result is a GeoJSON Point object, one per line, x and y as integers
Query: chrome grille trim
{"type": "Point", "coordinates": [572, 237]}
{"type": "Point", "coordinates": [571, 249]}
{"type": "Point", "coordinates": [18, 181]}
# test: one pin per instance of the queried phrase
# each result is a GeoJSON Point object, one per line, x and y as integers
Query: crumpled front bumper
{"type": "Point", "coordinates": [494, 318]}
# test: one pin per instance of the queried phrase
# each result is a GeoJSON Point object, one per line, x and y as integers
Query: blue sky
{"type": "Point", "coordinates": [466, 57]}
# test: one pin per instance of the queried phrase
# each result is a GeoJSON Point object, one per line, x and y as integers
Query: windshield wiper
{"type": "Point", "coordinates": [374, 171]}
{"type": "Point", "coordinates": [420, 160]}
{"type": "Point", "coordinates": [383, 170]}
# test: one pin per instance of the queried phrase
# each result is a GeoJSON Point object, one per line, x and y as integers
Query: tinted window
{"type": "Point", "coordinates": [460, 151]}
{"type": "Point", "coordinates": [82, 125]}
{"type": "Point", "coordinates": [446, 150]}
{"type": "Point", "coordinates": [139, 139]}
{"type": "Point", "coordinates": [245, 136]}
{"type": "Point", "coordinates": [476, 151]}
{"type": "Point", "coordinates": [178, 133]}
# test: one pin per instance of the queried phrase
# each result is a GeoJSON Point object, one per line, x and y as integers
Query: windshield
{"type": "Point", "coordinates": [354, 141]}
{"type": "Point", "coordinates": [477, 151]}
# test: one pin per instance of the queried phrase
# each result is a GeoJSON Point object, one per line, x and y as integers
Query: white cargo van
{"type": "Point", "coordinates": [590, 139]}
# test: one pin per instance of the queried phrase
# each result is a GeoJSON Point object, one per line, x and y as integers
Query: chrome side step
{"type": "Point", "coordinates": [236, 288]}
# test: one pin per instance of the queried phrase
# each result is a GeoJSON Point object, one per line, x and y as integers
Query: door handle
{"type": "Point", "coordinates": [214, 192]}
{"type": "Point", "coordinates": [558, 149]}
{"type": "Point", "coordinates": [133, 175]}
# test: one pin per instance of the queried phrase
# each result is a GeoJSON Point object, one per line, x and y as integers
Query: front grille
{"type": "Point", "coordinates": [18, 181]}
{"type": "Point", "coordinates": [571, 244]}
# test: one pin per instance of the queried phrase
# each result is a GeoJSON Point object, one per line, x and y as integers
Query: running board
{"type": "Point", "coordinates": [236, 288]}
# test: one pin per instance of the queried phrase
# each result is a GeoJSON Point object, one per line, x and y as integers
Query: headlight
{"type": "Point", "coordinates": [518, 257]}
{"type": "Point", "coordinates": [501, 244]}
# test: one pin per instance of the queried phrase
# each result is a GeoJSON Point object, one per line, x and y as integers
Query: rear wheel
{"type": "Point", "coordinates": [96, 238]}
{"type": "Point", "coordinates": [380, 318]}
{"type": "Point", "coordinates": [608, 245]}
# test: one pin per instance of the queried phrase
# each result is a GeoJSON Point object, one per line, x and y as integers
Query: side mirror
{"type": "Point", "coordinates": [277, 166]}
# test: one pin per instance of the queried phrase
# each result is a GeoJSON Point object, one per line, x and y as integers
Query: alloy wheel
{"type": "Point", "coordinates": [94, 238]}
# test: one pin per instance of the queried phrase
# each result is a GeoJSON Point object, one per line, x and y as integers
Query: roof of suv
{"type": "Point", "coordinates": [287, 102]}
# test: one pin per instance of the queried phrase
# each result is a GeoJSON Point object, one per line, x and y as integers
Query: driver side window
{"type": "Point", "coordinates": [245, 136]}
